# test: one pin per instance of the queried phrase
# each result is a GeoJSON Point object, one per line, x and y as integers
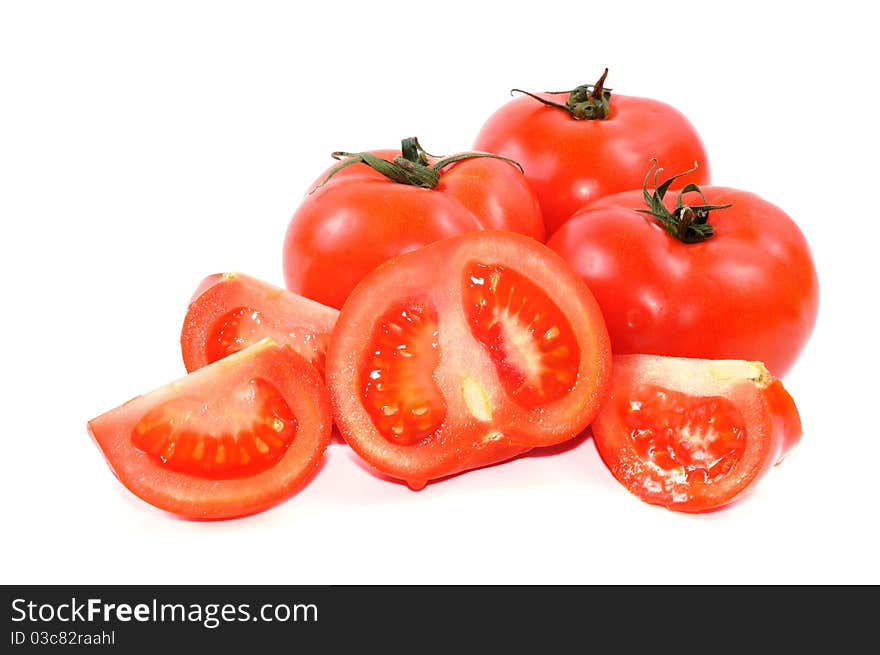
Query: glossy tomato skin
{"type": "Point", "coordinates": [359, 218]}
{"type": "Point", "coordinates": [748, 292]}
{"type": "Point", "coordinates": [663, 460]}
{"type": "Point", "coordinates": [294, 382]}
{"type": "Point", "coordinates": [230, 311]}
{"type": "Point", "coordinates": [484, 414]}
{"type": "Point", "coordinates": [570, 162]}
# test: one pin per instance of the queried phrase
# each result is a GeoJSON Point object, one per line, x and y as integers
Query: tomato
{"type": "Point", "coordinates": [588, 143]}
{"type": "Point", "coordinates": [231, 311]}
{"type": "Point", "coordinates": [693, 434]}
{"type": "Point", "coordinates": [738, 283]}
{"type": "Point", "coordinates": [466, 352]}
{"type": "Point", "coordinates": [232, 438]}
{"type": "Point", "coordinates": [385, 203]}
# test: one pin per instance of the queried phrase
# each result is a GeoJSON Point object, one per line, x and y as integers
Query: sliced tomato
{"type": "Point", "coordinates": [693, 434]}
{"type": "Point", "coordinates": [231, 311]}
{"type": "Point", "coordinates": [233, 438]}
{"type": "Point", "coordinates": [466, 352]}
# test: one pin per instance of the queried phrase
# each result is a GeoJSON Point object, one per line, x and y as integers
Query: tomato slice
{"type": "Point", "coordinates": [232, 438]}
{"type": "Point", "coordinates": [693, 434]}
{"type": "Point", "coordinates": [466, 352]}
{"type": "Point", "coordinates": [231, 311]}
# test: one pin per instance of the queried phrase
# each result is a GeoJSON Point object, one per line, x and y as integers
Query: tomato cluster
{"type": "Point", "coordinates": [445, 313]}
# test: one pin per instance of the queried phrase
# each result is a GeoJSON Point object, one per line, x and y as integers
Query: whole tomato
{"type": "Point", "coordinates": [719, 273]}
{"type": "Point", "coordinates": [577, 146]}
{"type": "Point", "coordinates": [376, 205]}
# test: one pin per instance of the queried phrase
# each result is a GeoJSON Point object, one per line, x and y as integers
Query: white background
{"type": "Point", "coordinates": [145, 145]}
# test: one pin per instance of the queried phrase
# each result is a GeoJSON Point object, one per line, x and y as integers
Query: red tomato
{"type": "Point", "coordinates": [748, 290]}
{"type": "Point", "coordinates": [230, 439]}
{"type": "Point", "coordinates": [466, 352]}
{"type": "Point", "coordinates": [591, 143]}
{"type": "Point", "coordinates": [693, 434]}
{"type": "Point", "coordinates": [229, 312]}
{"type": "Point", "coordinates": [361, 217]}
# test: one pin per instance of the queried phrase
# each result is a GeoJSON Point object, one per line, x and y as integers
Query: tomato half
{"type": "Point", "coordinates": [693, 434]}
{"type": "Point", "coordinates": [359, 217]}
{"type": "Point", "coordinates": [749, 290]}
{"type": "Point", "coordinates": [232, 311]}
{"type": "Point", "coordinates": [463, 353]}
{"type": "Point", "coordinates": [590, 144]}
{"type": "Point", "coordinates": [232, 438]}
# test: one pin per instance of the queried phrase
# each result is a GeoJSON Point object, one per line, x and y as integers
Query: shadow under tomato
{"type": "Point", "coordinates": [540, 451]}
{"type": "Point", "coordinates": [558, 449]}
{"type": "Point", "coordinates": [336, 436]}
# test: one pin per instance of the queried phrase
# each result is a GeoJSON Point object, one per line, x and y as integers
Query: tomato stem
{"type": "Point", "coordinates": [687, 223]}
{"type": "Point", "coordinates": [413, 166]}
{"type": "Point", "coordinates": [585, 102]}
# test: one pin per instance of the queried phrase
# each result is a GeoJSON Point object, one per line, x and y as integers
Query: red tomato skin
{"type": "Point", "coordinates": [192, 497]}
{"type": "Point", "coordinates": [749, 292]}
{"type": "Point", "coordinates": [358, 219]}
{"type": "Point", "coordinates": [772, 420]}
{"type": "Point", "coordinates": [496, 193]}
{"type": "Point", "coordinates": [786, 419]}
{"type": "Point", "coordinates": [463, 443]}
{"type": "Point", "coordinates": [219, 293]}
{"type": "Point", "coordinates": [570, 163]}
{"type": "Point", "coordinates": [342, 233]}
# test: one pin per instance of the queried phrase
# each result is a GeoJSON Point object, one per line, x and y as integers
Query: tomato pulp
{"type": "Point", "coordinates": [466, 352]}
{"type": "Point", "coordinates": [692, 434]}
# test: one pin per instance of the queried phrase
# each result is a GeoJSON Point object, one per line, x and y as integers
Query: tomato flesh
{"type": "Point", "coordinates": [691, 438]}
{"type": "Point", "coordinates": [233, 435]}
{"type": "Point", "coordinates": [398, 389]}
{"type": "Point", "coordinates": [528, 337]}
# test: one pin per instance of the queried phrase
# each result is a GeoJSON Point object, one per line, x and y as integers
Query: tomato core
{"type": "Point", "coordinates": [235, 435]}
{"type": "Point", "coordinates": [244, 326]}
{"type": "Point", "coordinates": [397, 384]}
{"type": "Point", "coordinates": [233, 331]}
{"type": "Point", "coordinates": [698, 439]}
{"type": "Point", "coordinates": [528, 337]}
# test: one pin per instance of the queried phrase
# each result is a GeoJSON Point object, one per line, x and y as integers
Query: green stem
{"type": "Point", "coordinates": [585, 102]}
{"type": "Point", "coordinates": [413, 166]}
{"type": "Point", "coordinates": [687, 223]}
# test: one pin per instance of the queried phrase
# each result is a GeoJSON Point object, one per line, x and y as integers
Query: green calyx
{"type": "Point", "coordinates": [587, 102]}
{"type": "Point", "coordinates": [687, 223]}
{"type": "Point", "coordinates": [412, 166]}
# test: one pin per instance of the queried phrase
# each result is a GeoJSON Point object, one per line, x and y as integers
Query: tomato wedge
{"type": "Point", "coordinates": [693, 434]}
{"type": "Point", "coordinates": [466, 352]}
{"type": "Point", "coordinates": [231, 311]}
{"type": "Point", "coordinates": [233, 438]}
